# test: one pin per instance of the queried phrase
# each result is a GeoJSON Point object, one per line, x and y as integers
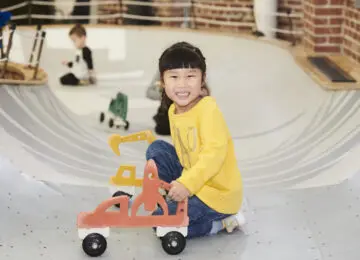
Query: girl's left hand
{"type": "Point", "coordinates": [178, 192]}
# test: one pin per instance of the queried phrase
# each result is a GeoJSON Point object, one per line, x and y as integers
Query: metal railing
{"type": "Point", "coordinates": [29, 13]}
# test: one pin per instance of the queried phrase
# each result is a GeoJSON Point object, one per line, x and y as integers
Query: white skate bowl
{"type": "Point", "coordinates": [297, 147]}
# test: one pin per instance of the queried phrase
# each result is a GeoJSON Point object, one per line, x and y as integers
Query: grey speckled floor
{"type": "Point", "coordinates": [297, 148]}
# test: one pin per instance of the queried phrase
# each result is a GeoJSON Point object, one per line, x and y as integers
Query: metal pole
{"type": "Point", "coordinates": [193, 14]}
{"type": "Point", "coordinates": [291, 27]}
{"type": "Point", "coordinates": [185, 24]}
{"type": "Point", "coordinates": [43, 34]}
{"type": "Point", "coordinates": [1, 44]}
{"type": "Point", "coordinates": [121, 11]}
{"type": "Point", "coordinates": [38, 29]}
{"type": "Point", "coordinates": [12, 28]}
{"type": "Point", "coordinates": [29, 11]}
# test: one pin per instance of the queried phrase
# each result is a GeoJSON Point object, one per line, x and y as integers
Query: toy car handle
{"type": "Point", "coordinates": [150, 196]}
{"type": "Point", "coordinates": [167, 187]}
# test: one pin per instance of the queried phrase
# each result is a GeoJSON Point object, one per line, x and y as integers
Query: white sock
{"type": "Point", "coordinates": [217, 226]}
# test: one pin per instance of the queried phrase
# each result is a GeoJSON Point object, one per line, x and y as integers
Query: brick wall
{"type": "Point", "coordinates": [329, 26]}
{"type": "Point", "coordinates": [210, 16]}
{"type": "Point", "coordinates": [332, 26]}
{"type": "Point", "coordinates": [323, 21]}
{"type": "Point", "coordinates": [351, 31]}
{"type": "Point", "coordinates": [239, 11]}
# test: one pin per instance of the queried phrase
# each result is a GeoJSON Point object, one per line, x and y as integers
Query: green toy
{"type": "Point", "coordinates": [117, 111]}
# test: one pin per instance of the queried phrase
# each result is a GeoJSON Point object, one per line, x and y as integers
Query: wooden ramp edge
{"type": "Point", "coordinates": [345, 63]}
{"type": "Point", "coordinates": [26, 73]}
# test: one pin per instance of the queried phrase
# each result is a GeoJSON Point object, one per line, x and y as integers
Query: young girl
{"type": "Point", "coordinates": [202, 164]}
{"type": "Point", "coordinates": [161, 118]}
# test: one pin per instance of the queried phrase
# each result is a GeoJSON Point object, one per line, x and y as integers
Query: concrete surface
{"type": "Point", "coordinates": [297, 148]}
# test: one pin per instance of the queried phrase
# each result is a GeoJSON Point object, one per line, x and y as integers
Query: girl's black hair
{"type": "Point", "coordinates": [180, 55]}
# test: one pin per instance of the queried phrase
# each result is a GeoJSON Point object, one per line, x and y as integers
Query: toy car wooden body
{"type": "Point", "coordinates": [94, 227]}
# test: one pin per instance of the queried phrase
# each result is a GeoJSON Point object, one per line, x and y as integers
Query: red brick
{"type": "Point", "coordinates": [336, 20]}
{"type": "Point", "coordinates": [319, 2]}
{"type": "Point", "coordinates": [327, 11]}
{"type": "Point", "coordinates": [327, 49]}
{"type": "Point", "coordinates": [337, 40]}
{"type": "Point", "coordinates": [321, 30]}
{"type": "Point", "coordinates": [319, 39]}
{"type": "Point", "coordinates": [337, 2]}
{"type": "Point", "coordinates": [320, 21]}
{"type": "Point", "coordinates": [293, 2]}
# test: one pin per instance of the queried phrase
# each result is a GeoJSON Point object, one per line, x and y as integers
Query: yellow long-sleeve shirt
{"type": "Point", "coordinates": [206, 152]}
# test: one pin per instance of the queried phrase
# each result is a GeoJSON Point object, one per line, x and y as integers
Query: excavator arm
{"type": "Point", "coordinates": [115, 140]}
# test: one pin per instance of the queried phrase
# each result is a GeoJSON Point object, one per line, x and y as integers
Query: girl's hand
{"type": "Point", "coordinates": [178, 192]}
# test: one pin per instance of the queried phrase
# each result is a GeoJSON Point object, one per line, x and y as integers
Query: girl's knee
{"type": "Point", "coordinates": [156, 148]}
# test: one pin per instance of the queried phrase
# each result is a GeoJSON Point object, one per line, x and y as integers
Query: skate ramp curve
{"type": "Point", "coordinates": [297, 147]}
{"type": "Point", "coordinates": [288, 131]}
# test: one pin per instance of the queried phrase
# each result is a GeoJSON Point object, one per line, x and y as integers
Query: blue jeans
{"type": "Point", "coordinates": [201, 216]}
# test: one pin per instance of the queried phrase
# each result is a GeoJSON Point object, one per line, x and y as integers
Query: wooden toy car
{"type": "Point", "coordinates": [117, 112]}
{"type": "Point", "coordinates": [94, 227]}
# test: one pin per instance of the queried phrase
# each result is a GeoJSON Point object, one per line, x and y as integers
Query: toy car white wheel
{"type": "Point", "coordinates": [94, 244]}
{"type": "Point", "coordinates": [173, 243]}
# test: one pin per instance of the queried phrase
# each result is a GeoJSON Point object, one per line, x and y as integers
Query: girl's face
{"type": "Point", "coordinates": [183, 87]}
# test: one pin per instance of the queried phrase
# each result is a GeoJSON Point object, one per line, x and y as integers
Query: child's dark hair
{"type": "Point", "coordinates": [79, 30]}
{"type": "Point", "coordinates": [181, 55]}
